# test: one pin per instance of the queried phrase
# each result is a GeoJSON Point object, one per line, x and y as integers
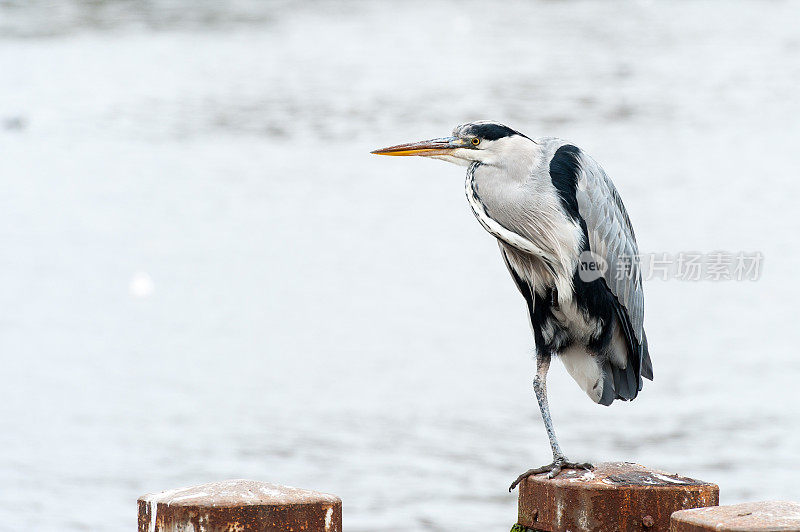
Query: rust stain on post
{"type": "Point", "coordinates": [240, 506]}
{"type": "Point", "coordinates": [773, 516]}
{"type": "Point", "coordinates": [615, 496]}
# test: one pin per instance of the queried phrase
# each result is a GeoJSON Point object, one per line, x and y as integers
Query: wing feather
{"type": "Point", "coordinates": [611, 236]}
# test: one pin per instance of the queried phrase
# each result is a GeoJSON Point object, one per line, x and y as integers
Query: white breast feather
{"type": "Point", "coordinates": [549, 237]}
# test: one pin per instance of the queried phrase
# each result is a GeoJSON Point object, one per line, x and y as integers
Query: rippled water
{"type": "Point", "coordinates": [207, 276]}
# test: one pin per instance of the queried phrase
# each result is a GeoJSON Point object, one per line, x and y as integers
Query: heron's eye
{"type": "Point", "coordinates": [476, 141]}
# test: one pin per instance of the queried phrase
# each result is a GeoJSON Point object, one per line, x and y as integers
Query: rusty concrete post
{"type": "Point", "coordinates": [615, 496]}
{"type": "Point", "coordinates": [764, 516]}
{"type": "Point", "coordinates": [240, 506]}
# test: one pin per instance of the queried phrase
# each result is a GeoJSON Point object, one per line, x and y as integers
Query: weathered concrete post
{"type": "Point", "coordinates": [615, 496]}
{"type": "Point", "coordinates": [767, 516]}
{"type": "Point", "coordinates": [240, 506]}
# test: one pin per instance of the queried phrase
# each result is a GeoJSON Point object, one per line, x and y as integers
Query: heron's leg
{"type": "Point", "coordinates": [540, 389]}
{"type": "Point", "coordinates": [559, 460]}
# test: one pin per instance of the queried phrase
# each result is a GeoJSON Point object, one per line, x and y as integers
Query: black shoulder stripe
{"type": "Point", "coordinates": [565, 167]}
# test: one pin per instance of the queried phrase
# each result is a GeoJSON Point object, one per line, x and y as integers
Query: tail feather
{"type": "Point", "coordinates": [624, 382]}
{"type": "Point", "coordinates": [608, 386]}
{"type": "Point", "coordinates": [647, 364]}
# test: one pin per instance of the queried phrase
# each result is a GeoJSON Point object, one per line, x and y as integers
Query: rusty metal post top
{"type": "Point", "coordinates": [613, 496]}
{"type": "Point", "coordinates": [240, 506]}
{"type": "Point", "coordinates": [612, 475]}
{"type": "Point", "coordinates": [238, 492]}
{"type": "Point", "coordinates": [773, 516]}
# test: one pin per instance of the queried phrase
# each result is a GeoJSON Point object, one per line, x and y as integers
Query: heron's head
{"type": "Point", "coordinates": [488, 142]}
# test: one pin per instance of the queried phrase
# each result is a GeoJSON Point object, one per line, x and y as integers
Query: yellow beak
{"type": "Point", "coordinates": [441, 146]}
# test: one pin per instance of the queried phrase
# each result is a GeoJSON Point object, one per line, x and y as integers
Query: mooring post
{"type": "Point", "coordinates": [240, 506]}
{"type": "Point", "coordinates": [767, 516]}
{"type": "Point", "coordinates": [614, 496]}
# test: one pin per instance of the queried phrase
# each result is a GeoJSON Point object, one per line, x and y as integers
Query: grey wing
{"type": "Point", "coordinates": [611, 237]}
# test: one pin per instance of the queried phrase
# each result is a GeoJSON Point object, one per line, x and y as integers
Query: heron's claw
{"type": "Point", "coordinates": [552, 470]}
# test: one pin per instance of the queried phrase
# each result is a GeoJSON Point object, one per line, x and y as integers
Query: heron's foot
{"type": "Point", "coordinates": [552, 469]}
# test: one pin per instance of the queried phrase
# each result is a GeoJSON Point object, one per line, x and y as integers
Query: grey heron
{"type": "Point", "coordinates": [566, 239]}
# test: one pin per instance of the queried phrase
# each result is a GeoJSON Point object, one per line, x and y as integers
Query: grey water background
{"type": "Point", "coordinates": [207, 276]}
